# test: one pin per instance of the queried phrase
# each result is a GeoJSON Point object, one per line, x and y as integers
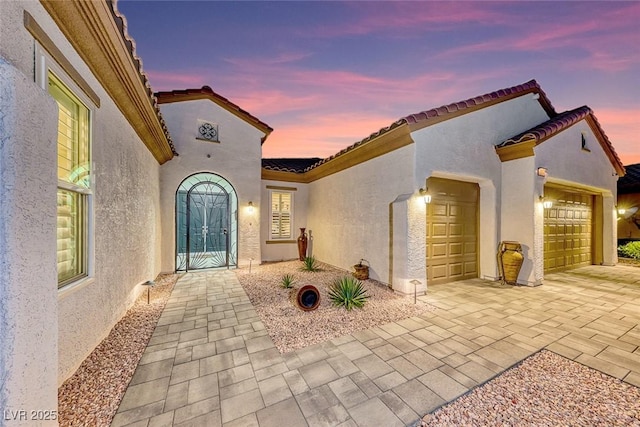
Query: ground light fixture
{"type": "Point", "coordinates": [426, 197]}
{"type": "Point", "coordinates": [149, 284]}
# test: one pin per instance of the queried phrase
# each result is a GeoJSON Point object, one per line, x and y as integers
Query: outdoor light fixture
{"type": "Point", "coordinates": [425, 195]}
{"type": "Point", "coordinates": [250, 207]}
{"type": "Point", "coordinates": [545, 202]}
{"type": "Point", "coordinates": [621, 211]}
{"type": "Point", "coordinates": [541, 172]}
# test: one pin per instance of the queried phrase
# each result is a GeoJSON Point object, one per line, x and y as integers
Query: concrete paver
{"type": "Point", "coordinates": [210, 361]}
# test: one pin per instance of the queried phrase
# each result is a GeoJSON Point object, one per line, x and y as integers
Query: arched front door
{"type": "Point", "coordinates": [206, 223]}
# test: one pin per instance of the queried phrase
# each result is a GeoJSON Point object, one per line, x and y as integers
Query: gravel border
{"type": "Point", "coordinates": [91, 396]}
{"type": "Point", "coordinates": [545, 389]}
{"type": "Point", "coordinates": [291, 328]}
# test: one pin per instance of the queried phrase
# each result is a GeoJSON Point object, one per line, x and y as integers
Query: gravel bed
{"type": "Point", "coordinates": [544, 390]}
{"type": "Point", "coordinates": [291, 328]}
{"type": "Point", "coordinates": [91, 396]}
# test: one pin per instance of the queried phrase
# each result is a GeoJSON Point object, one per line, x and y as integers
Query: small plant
{"type": "Point", "coordinates": [348, 292]}
{"type": "Point", "coordinates": [287, 281]}
{"type": "Point", "coordinates": [310, 264]}
{"type": "Point", "coordinates": [630, 250]}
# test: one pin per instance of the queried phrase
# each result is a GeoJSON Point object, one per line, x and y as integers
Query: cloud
{"type": "Point", "coordinates": [623, 130]}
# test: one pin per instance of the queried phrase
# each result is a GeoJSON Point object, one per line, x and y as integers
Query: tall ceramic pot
{"type": "Point", "coordinates": [511, 260]}
{"type": "Point", "coordinates": [302, 244]}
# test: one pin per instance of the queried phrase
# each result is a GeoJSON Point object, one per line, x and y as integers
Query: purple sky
{"type": "Point", "coordinates": [327, 74]}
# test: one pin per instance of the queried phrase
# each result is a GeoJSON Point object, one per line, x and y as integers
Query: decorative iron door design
{"type": "Point", "coordinates": [205, 226]}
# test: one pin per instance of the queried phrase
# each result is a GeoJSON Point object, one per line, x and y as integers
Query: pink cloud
{"type": "Point", "coordinates": [405, 17]}
{"type": "Point", "coordinates": [623, 130]}
{"type": "Point", "coordinates": [322, 135]}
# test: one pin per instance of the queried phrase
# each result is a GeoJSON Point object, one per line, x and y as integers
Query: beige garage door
{"type": "Point", "coordinates": [452, 231]}
{"type": "Point", "coordinates": [568, 230]}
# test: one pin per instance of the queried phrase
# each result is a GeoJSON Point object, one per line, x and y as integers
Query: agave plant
{"type": "Point", "coordinates": [348, 292]}
{"type": "Point", "coordinates": [287, 281]}
{"type": "Point", "coordinates": [310, 264]}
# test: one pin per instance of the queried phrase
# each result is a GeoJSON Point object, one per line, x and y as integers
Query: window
{"type": "Point", "coordinates": [74, 182]}
{"type": "Point", "coordinates": [281, 214]}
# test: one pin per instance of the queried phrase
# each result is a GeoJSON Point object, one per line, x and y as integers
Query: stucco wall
{"type": "Point", "coordinates": [463, 149]}
{"type": "Point", "coordinates": [349, 211]}
{"type": "Point", "coordinates": [521, 215]}
{"type": "Point", "coordinates": [236, 158]}
{"type": "Point", "coordinates": [126, 220]}
{"type": "Point", "coordinates": [284, 251]}
{"type": "Point", "coordinates": [28, 296]}
{"type": "Point", "coordinates": [569, 165]}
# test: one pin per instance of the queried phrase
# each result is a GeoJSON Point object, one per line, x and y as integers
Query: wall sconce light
{"type": "Point", "coordinates": [250, 208]}
{"type": "Point", "coordinates": [547, 204]}
{"type": "Point", "coordinates": [426, 197]}
{"type": "Point", "coordinates": [541, 172]}
{"type": "Point", "coordinates": [621, 211]}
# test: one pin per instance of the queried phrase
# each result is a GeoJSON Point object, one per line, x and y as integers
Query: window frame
{"type": "Point", "coordinates": [278, 237]}
{"type": "Point", "coordinates": [45, 64]}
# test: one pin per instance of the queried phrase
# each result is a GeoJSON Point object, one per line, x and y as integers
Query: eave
{"type": "Point", "coordinates": [90, 28]}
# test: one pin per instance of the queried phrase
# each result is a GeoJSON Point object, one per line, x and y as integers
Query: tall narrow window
{"type": "Point", "coordinates": [74, 182]}
{"type": "Point", "coordinates": [281, 214]}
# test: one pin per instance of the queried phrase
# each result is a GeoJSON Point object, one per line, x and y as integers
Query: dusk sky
{"type": "Point", "coordinates": [327, 74]}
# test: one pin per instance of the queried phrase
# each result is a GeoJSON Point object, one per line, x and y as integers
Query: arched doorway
{"type": "Point", "coordinates": [206, 223]}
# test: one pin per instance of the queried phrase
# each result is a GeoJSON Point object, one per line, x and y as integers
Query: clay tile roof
{"type": "Point", "coordinates": [551, 127]}
{"type": "Point", "coordinates": [121, 23]}
{"type": "Point", "coordinates": [452, 110]}
{"type": "Point", "coordinates": [530, 86]}
{"type": "Point", "coordinates": [289, 165]}
{"type": "Point", "coordinates": [630, 182]}
{"type": "Point", "coordinates": [205, 92]}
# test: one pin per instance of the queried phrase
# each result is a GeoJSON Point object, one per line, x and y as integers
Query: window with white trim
{"type": "Point", "coordinates": [74, 182]}
{"type": "Point", "coordinates": [74, 168]}
{"type": "Point", "coordinates": [281, 215]}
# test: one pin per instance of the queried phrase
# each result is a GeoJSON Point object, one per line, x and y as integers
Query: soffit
{"type": "Point", "coordinates": [98, 33]}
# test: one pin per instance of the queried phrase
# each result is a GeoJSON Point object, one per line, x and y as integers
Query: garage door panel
{"type": "Point", "coordinates": [456, 230]}
{"type": "Point", "coordinates": [439, 250]}
{"type": "Point", "coordinates": [568, 230]}
{"type": "Point", "coordinates": [455, 249]}
{"type": "Point", "coordinates": [439, 230]}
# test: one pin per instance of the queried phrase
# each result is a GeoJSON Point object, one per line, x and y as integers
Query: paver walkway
{"type": "Point", "coordinates": [210, 361]}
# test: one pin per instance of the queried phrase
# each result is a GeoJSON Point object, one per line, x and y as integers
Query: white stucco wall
{"type": "Point", "coordinates": [569, 165]}
{"type": "Point", "coordinates": [463, 149]}
{"type": "Point", "coordinates": [28, 296]}
{"type": "Point", "coordinates": [126, 234]}
{"type": "Point", "coordinates": [350, 211]}
{"type": "Point", "coordinates": [522, 215]}
{"type": "Point", "coordinates": [237, 158]}
{"type": "Point", "coordinates": [284, 251]}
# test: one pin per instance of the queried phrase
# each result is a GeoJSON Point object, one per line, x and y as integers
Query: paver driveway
{"type": "Point", "coordinates": [211, 362]}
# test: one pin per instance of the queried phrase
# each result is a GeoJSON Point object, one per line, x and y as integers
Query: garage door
{"type": "Point", "coordinates": [568, 230]}
{"type": "Point", "coordinates": [452, 226]}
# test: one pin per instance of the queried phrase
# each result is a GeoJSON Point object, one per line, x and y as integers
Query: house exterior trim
{"type": "Point", "coordinates": [516, 151]}
{"type": "Point", "coordinates": [100, 44]}
{"type": "Point", "coordinates": [41, 36]}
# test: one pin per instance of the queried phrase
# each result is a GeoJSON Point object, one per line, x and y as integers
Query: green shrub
{"type": "Point", "coordinates": [287, 281]}
{"type": "Point", "coordinates": [310, 264]}
{"type": "Point", "coordinates": [630, 250]}
{"type": "Point", "coordinates": [348, 292]}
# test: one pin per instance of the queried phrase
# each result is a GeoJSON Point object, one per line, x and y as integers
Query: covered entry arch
{"type": "Point", "coordinates": [206, 223]}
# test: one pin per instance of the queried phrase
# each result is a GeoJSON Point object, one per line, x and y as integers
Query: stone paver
{"type": "Point", "coordinates": [210, 361]}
